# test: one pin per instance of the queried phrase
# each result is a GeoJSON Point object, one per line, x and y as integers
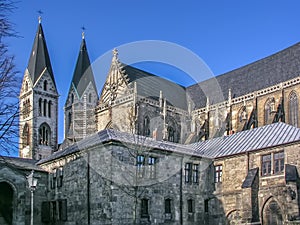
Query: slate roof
{"type": "Point", "coordinates": [263, 73]}
{"type": "Point", "coordinates": [248, 182]}
{"type": "Point", "coordinates": [83, 73]}
{"type": "Point", "coordinates": [39, 57]}
{"type": "Point", "coordinates": [150, 85]}
{"type": "Point", "coordinates": [259, 138]}
{"type": "Point", "coordinates": [105, 136]}
{"type": "Point", "coordinates": [20, 163]}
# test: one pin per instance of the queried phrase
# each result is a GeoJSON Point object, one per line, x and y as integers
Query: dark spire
{"type": "Point", "coordinates": [39, 59]}
{"type": "Point", "coordinates": [83, 73]}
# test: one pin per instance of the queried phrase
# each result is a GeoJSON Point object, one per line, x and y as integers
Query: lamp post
{"type": "Point", "coordinates": [32, 183]}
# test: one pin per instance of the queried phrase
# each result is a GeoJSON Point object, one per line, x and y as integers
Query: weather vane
{"type": "Point", "coordinates": [40, 12]}
{"type": "Point", "coordinates": [83, 29]}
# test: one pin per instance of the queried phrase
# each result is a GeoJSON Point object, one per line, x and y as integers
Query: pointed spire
{"type": "Point", "coordinates": [39, 60]}
{"type": "Point", "coordinates": [83, 73]}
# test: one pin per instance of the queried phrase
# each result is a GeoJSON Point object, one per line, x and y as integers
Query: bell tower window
{"type": "Point", "coordinates": [45, 85]}
{"type": "Point", "coordinates": [44, 134]}
{"type": "Point", "coordinates": [25, 136]}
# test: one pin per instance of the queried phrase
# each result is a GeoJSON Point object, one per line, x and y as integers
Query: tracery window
{"type": "Point", "coordinates": [293, 109]}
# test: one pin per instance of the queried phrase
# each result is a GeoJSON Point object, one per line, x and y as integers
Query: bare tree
{"type": "Point", "coordinates": [9, 83]}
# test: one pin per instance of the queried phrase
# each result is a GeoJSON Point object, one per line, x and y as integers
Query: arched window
{"type": "Point", "coordinates": [72, 99]}
{"type": "Point", "coordinates": [44, 134]}
{"type": "Point", "coordinates": [45, 107]}
{"type": "Point", "coordinates": [25, 136]}
{"type": "Point", "coordinates": [40, 106]}
{"type": "Point", "coordinates": [171, 134]}
{"type": "Point", "coordinates": [49, 108]}
{"type": "Point", "coordinates": [26, 86]}
{"type": "Point", "coordinates": [69, 119]}
{"type": "Point", "coordinates": [90, 97]}
{"type": "Point", "coordinates": [45, 85]}
{"type": "Point", "coordinates": [146, 126]}
{"type": "Point", "coordinates": [293, 109]}
{"type": "Point", "coordinates": [267, 112]}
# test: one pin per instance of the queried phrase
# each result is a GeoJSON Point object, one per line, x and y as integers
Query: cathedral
{"type": "Point", "coordinates": [145, 150]}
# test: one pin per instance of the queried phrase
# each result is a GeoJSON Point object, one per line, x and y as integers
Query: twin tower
{"type": "Point", "coordinates": [38, 127]}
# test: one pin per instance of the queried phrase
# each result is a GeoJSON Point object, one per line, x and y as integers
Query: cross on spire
{"type": "Point", "coordinates": [83, 29]}
{"type": "Point", "coordinates": [40, 12]}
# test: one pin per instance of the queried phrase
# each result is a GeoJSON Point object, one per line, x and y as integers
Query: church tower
{"type": "Point", "coordinates": [79, 110]}
{"type": "Point", "coordinates": [38, 103]}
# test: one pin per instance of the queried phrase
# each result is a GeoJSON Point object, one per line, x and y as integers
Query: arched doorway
{"type": "Point", "coordinates": [6, 203]}
{"type": "Point", "coordinates": [272, 214]}
{"type": "Point", "coordinates": [234, 218]}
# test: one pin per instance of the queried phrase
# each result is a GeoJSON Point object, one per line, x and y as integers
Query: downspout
{"type": "Point", "coordinates": [88, 189]}
{"type": "Point", "coordinates": [181, 192]}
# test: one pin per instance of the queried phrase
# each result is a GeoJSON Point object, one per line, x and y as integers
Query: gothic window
{"type": "Point", "coordinates": [146, 126]}
{"type": "Point", "coordinates": [293, 109]}
{"type": "Point", "coordinates": [40, 106]}
{"type": "Point", "coordinates": [44, 134]}
{"type": "Point", "coordinates": [45, 85]}
{"type": "Point", "coordinates": [69, 119]}
{"type": "Point", "coordinates": [90, 97]}
{"type": "Point", "coordinates": [45, 107]}
{"type": "Point", "coordinates": [267, 112]}
{"type": "Point", "coordinates": [25, 135]}
{"type": "Point", "coordinates": [72, 99]}
{"type": "Point", "coordinates": [171, 134]}
{"type": "Point", "coordinates": [26, 86]}
{"type": "Point", "coordinates": [144, 208]}
{"type": "Point", "coordinates": [218, 173]}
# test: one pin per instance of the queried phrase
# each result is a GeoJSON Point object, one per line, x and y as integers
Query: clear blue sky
{"type": "Point", "coordinates": [225, 34]}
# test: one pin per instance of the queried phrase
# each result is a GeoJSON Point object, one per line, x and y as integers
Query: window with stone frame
{"type": "Point", "coordinates": [195, 175]}
{"type": "Point", "coordinates": [53, 179]}
{"type": "Point", "coordinates": [190, 209]}
{"type": "Point", "coordinates": [59, 176]}
{"type": "Point", "coordinates": [140, 164]}
{"type": "Point", "coordinates": [144, 208]}
{"type": "Point", "coordinates": [26, 108]}
{"type": "Point", "coordinates": [152, 167]}
{"type": "Point", "coordinates": [293, 105]}
{"type": "Point", "coordinates": [278, 162]}
{"type": "Point", "coordinates": [218, 173]}
{"type": "Point", "coordinates": [40, 106]}
{"type": "Point", "coordinates": [171, 134]}
{"type": "Point", "coordinates": [45, 108]}
{"type": "Point", "coordinates": [266, 163]}
{"type": "Point", "coordinates": [168, 209]}
{"type": "Point", "coordinates": [188, 173]}
{"type": "Point", "coordinates": [49, 108]}
{"type": "Point", "coordinates": [45, 85]}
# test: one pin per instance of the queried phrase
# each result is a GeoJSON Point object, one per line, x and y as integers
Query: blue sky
{"type": "Point", "coordinates": [225, 34]}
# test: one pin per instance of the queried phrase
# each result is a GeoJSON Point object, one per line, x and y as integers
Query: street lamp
{"type": "Point", "coordinates": [32, 183]}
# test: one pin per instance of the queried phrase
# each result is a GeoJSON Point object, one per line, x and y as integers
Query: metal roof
{"type": "Point", "coordinates": [262, 137]}
{"type": "Point", "coordinates": [259, 138]}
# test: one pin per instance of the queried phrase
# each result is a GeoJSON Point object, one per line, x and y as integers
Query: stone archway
{"type": "Point", "coordinates": [234, 218]}
{"type": "Point", "coordinates": [6, 203]}
{"type": "Point", "coordinates": [272, 214]}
